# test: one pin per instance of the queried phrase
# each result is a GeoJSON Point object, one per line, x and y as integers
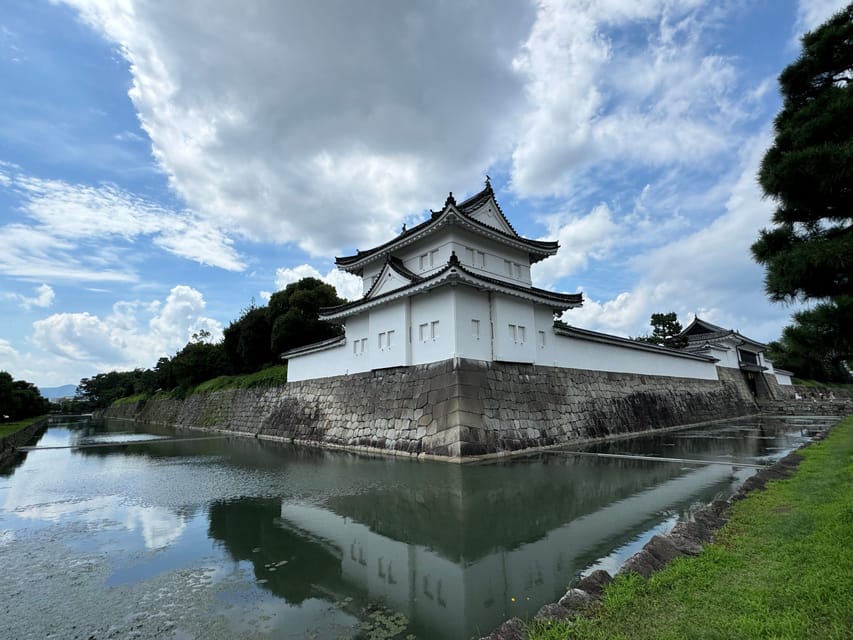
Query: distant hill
{"type": "Point", "coordinates": [51, 393]}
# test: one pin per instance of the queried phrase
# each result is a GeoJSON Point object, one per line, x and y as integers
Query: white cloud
{"type": "Point", "coordinates": [813, 13]}
{"type": "Point", "coordinates": [581, 239]}
{"type": "Point", "coordinates": [134, 334]}
{"type": "Point", "coordinates": [347, 285]}
{"type": "Point", "coordinates": [709, 272]}
{"type": "Point", "coordinates": [44, 298]}
{"type": "Point", "coordinates": [319, 125]}
{"type": "Point", "coordinates": [600, 95]}
{"type": "Point", "coordinates": [66, 215]}
{"type": "Point", "coordinates": [34, 252]}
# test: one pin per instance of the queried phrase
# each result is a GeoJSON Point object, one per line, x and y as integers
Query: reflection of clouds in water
{"type": "Point", "coordinates": [7, 537]}
{"type": "Point", "coordinates": [158, 526]}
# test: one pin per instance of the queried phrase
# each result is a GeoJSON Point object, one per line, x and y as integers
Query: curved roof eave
{"type": "Point", "coordinates": [538, 249]}
{"type": "Point", "coordinates": [454, 271]}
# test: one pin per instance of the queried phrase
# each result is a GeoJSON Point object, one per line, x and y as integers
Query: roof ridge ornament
{"type": "Point", "coordinates": [450, 200]}
{"type": "Point", "coordinates": [454, 259]}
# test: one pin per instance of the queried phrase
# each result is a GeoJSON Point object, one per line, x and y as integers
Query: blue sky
{"type": "Point", "coordinates": [164, 164]}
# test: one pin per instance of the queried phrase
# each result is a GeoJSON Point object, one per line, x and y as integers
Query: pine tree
{"type": "Point", "coordinates": [809, 171]}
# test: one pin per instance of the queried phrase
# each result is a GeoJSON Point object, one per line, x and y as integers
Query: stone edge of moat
{"type": "Point", "coordinates": [10, 443]}
{"type": "Point", "coordinates": [455, 409]}
{"type": "Point", "coordinates": [686, 539]}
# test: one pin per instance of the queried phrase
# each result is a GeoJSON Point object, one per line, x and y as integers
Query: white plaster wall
{"type": "Point", "coordinates": [439, 243]}
{"type": "Point", "coordinates": [570, 352]}
{"type": "Point", "coordinates": [384, 319]}
{"type": "Point", "coordinates": [728, 358]}
{"type": "Point", "coordinates": [544, 318]}
{"type": "Point", "coordinates": [427, 308]}
{"type": "Point", "coordinates": [323, 364]}
{"type": "Point", "coordinates": [495, 257]}
{"type": "Point", "coordinates": [473, 305]}
{"type": "Point", "coordinates": [336, 361]}
{"type": "Point", "coordinates": [510, 346]}
{"type": "Point", "coordinates": [783, 379]}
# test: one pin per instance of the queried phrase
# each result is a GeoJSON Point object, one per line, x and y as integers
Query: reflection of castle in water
{"type": "Point", "coordinates": [506, 539]}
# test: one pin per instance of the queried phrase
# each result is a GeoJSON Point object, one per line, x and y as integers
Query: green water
{"type": "Point", "coordinates": [236, 538]}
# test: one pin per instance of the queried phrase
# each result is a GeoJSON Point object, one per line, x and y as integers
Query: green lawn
{"type": "Point", "coordinates": [781, 568]}
{"type": "Point", "coordinates": [7, 428]}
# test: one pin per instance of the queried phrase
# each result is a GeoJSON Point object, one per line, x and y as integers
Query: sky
{"type": "Point", "coordinates": [166, 165]}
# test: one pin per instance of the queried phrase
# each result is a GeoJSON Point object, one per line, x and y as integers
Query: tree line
{"type": "Point", "coordinates": [20, 399]}
{"type": "Point", "coordinates": [252, 342]}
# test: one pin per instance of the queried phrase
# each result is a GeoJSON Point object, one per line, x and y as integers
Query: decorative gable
{"type": "Point", "coordinates": [394, 275]}
{"type": "Point", "coordinates": [489, 214]}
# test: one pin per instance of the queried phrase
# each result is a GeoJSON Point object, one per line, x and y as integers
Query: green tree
{"type": "Point", "coordinates": [247, 341]}
{"type": "Point", "coordinates": [195, 363]}
{"type": "Point", "coordinates": [665, 331]}
{"type": "Point", "coordinates": [103, 389]}
{"type": "Point", "coordinates": [20, 399]}
{"type": "Point", "coordinates": [808, 172]}
{"type": "Point", "coordinates": [818, 343]}
{"type": "Point", "coordinates": [293, 313]}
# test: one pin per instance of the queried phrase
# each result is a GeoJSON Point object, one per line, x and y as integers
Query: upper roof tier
{"type": "Point", "coordinates": [701, 331]}
{"type": "Point", "coordinates": [479, 213]}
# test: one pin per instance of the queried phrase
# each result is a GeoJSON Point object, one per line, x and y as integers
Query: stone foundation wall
{"type": "Point", "coordinates": [456, 408]}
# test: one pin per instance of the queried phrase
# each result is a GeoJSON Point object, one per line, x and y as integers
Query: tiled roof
{"type": "Point", "coordinates": [594, 336]}
{"type": "Point", "coordinates": [701, 331]}
{"type": "Point", "coordinates": [560, 300]}
{"type": "Point", "coordinates": [536, 247]}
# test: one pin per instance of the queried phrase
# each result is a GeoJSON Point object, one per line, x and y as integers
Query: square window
{"type": "Point", "coordinates": [423, 261]}
{"type": "Point", "coordinates": [388, 339]}
{"type": "Point", "coordinates": [433, 329]}
{"type": "Point", "coordinates": [381, 340]}
{"type": "Point", "coordinates": [508, 267]}
{"type": "Point", "coordinates": [355, 347]}
{"type": "Point", "coordinates": [423, 332]}
{"type": "Point", "coordinates": [481, 259]}
{"type": "Point", "coordinates": [475, 329]}
{"type": "Point", "coordinates": [517, 268]}
{"type": "Point", "coordinates": [363, 345]}
{"type": "Point", "coordinates": [522, 334]}
{"type": "Point", "coordinates": [433, 257]}
{"type": "Point", "coordinates": [541, 339]}
{"type": "Point", "coordinates": [513, 332]}
{"type": "Point", "coordinates": [469, 256]}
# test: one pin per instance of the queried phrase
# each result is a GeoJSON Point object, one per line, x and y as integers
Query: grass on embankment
{"type": "Point", "coordinates": [9, 428]}
{"type": "Point", "coordinates": [781, 568]}
{"type": "Point", "coordinates": [269, 377]}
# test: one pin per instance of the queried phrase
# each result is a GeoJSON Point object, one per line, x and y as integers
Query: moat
{"type": "Point", "coordinates": [115, 530]}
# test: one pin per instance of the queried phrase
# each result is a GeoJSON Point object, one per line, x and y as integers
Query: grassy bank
{"type": "Point", "coordinates": [781, 568]}
{"type": "Point", "coordinates": [9, 428]}
{"type": "Point", "coordinates": [269, 377]}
